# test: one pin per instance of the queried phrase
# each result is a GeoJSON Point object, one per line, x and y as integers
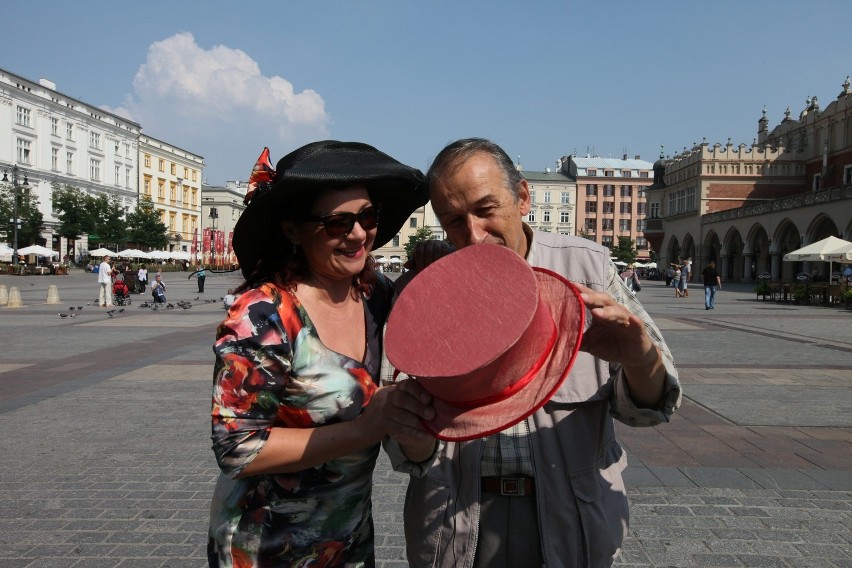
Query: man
{"type": "Point", "coordinates": [711, 282]}
{"type": "Point", "coordinates": [105, 283]}
{"type": "Point", "coordinates": [158, 290]}
{"type": "Point", "coordinates": [576, 511]}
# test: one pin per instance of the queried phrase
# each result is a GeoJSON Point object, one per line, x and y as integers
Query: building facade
{"type": "Point", "coordinates": [62, 142]}
{"type": "Point", "coordinates": [611, 199]}
{"type": "Point", "coordinates": [553, 199]}
{"type": "Point", "coordinates": [747, 206]}
{"type": "Point", "coordinates": [221, 207]}
{"type": "Point", "coordinates": [170, 178]}
{"type": "Point", "coordinates": [392, 255]}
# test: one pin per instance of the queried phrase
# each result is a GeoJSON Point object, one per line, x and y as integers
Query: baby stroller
{"type": "Point", "coordinates": [121, 293]}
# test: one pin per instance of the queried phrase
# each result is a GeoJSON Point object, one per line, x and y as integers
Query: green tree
{"type": "Point", "coordinates": [582, 233]}
{"type": "Point", "coordinates": [74, 212]}
{"type": "Point", "coordinates": [30, 219]}
{"type": "Point", "coordinates": [625, 250]}
{"type": "Point", "coordinates": [145, 228]}
{"type": "Point", "coordinates": [112, 227]}
{"type": "Point", "coordinates": [422, 234]}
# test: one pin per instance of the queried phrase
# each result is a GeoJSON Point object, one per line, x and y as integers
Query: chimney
{"type": "Point", "coordinates": [637, 157]}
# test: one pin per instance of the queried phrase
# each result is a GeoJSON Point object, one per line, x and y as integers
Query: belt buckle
{"type": "Point", "coordinates": [512, 486]}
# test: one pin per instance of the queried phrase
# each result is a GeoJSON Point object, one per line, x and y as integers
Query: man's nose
{"type": "Point", "coordinates": [475, 233]}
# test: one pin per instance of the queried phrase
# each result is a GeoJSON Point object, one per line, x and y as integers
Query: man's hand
{"type": "Point", "coordinates": [425, 253]}
{"type": "Point", "coordinates": [408, 404]}
{"type": "Point", "coordinates": [619, 336]}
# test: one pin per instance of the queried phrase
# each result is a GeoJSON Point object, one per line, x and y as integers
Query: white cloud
{"type": "Point", "coordinates": [216, 102]}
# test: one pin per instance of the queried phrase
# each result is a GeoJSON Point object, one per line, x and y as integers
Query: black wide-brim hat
{"type": "Point", "coordinates": [398, 189]}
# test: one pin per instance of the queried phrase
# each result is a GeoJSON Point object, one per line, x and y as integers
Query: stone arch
{"type": "Point", "coordinates": [757, 243]}
{"type": "Point", "coordinates": [673, 250]}
{"type": "Point", "coordinates": [687, 250]}
{"type": "Point", "coordinates": [712, 248]}
{"type": "Point", "coordinates": [733, 267]}
{"type": "Point", "coordinates": [787, 238]}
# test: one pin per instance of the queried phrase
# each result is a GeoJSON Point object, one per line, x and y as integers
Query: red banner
{"type": "Point", "coordinates": [205, 246]}
{"type": "Point", "coordinates": [220, 247]}
{"type": "Point", "coordinates": [194, 249]}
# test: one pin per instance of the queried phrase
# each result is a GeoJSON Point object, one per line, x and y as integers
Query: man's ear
{"type": "Point", "coordinates": [524, 202]}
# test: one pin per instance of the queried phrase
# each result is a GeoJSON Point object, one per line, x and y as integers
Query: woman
{"type": "Point", "coordinates": [298, 359]}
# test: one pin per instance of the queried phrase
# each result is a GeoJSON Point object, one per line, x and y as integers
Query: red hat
{"type": "Point", "coordinates": [488, 336]}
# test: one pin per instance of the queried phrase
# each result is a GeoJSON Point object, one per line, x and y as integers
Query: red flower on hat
{"type": "Point", "coordinates": [262, 176]}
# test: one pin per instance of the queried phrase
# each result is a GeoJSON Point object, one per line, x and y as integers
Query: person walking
{"type": "Point", "coordinates": [105, 283]}
{"type": "Point", "coordinates": [201, 276]}
{"type": "Point", "coordinates": [141, 279]}
{"type": "Point", "coordinates": [676, 282]}
{"type": "Point", "coordinates": [711, 282]}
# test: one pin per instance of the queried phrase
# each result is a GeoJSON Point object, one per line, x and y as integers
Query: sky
{"type": "Point", "coordinates": [542, 78]}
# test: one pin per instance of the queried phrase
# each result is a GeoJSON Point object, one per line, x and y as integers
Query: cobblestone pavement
{"type": "Point", "coordinates": [107, 461]}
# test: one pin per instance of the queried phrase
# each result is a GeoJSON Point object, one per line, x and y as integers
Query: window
{"type": "Point", "coordinates": [54, 159]}
{"type": "Point", "coordinates": [847, 175]}
{"type": "Point", "coordinates": [95, 140]}
{"type": "Point", "coordinates": [608, 173]}
{"type": "Point", "coordinates": [174, 169]}
{"type": "Point", "coordinates": [590, 225]}
{"type": "Point", "coordinates": [546, 215]}
{"type": "Point", "coordinates": [606, 224]}
{"type": "Point", "coordinates": [640, 226]}
{"type": "Point", "coordinates": [23, 151]}
{"type": "Point", "coordinates": [642, 194]}
{"type": "Point", "coordinates": [680, 201]}
{"type": "Point", "coordinates": [24, 115]}
{"type": "Point", "coordinates": [147, 160]}
{"type": "Point", "coordinates": [626, 208]}
{"type": "Point", "coordinates": [126, 150]}
{"type": "Point", "coordinates": [185, 195]}
{"type": "Point", "coordinates": [626, 173]}
{"type": "Point", "coordinates": [54, 126]}
{"type": "Point", "coordinates": [565, 198]}
{"type": "Point", "coordinates": [817, 178]}
{"type": "Point", "coordinates": [655, 210]}
{"type": "Point", "coordinates": [172, 192]}
{"type": "Point", "coordinates": [592, 173]}
{"type": "Point", "coordinates": [194, 175]}
{"type": "Point", "coordinates": [641, 243]}
{"type": "Point", "coordinates": [412, 222]}
{"type": "Point", "coordinates": [185, 173]}
{"type": "Point", "coordinates": [608, 207]}
{"type": "Point", "coordinates": [626, 190]}
{"type": "Point", "coordinates": [532, 196]}
{"type": "Point", "coordinates": [395, 240]}
{"type": "Point", "coordinates": [547, 197]}
{"type": "Point", "coordinates": [95, 170]}
{"type": "Point", "coordinates": [69, 132]}
{"type": "Point", "coordinates": [609, 191]}
{"type": "Point", "coordinates": [531, 216]}
{"type": "Point", "coordinates": [607, 241]}
{"type": "Point", "coordinates": [642, 207]}
{"type": "Point", "coordinates": [147, 187]}
{"type": "Point", "coordinates": [117, 146]}
{"type": "Point", "coordinates": [591, 206]}
{"type": "Point", "coordinates": [118, 175]}
{"type": "Point", "coordinates": [162, 165]}
{"type": "Point", "coordinates": [69, 163]}
{"type": "Point", "coordinates": [591, 190]}
{"type": "Point", "coordinates": [161, 189]}
{"type": "Point", "coordinates": [643, 174]}
{"type": "Point", "coordinates": [127, 173]}
{"type": "Point", "coordinates": [624, 225]}
{"type": "Point", "coordinates": [564, 217]}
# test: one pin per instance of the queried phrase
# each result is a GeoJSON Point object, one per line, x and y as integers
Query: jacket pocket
{"type": "Point", "coordinates": [426, 504]}
{"type": "Point", "coordinates": [602, 505]}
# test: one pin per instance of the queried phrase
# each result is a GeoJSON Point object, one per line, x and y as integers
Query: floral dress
{"type": "Point", "coordinates": [273, 370]}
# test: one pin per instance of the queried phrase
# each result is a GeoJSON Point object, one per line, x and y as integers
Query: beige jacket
{"type": "Point", "coordinates": [581, 501]}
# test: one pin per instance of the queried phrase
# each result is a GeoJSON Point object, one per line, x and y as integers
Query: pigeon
{"type": "Point", "coordinates": [170, 306]}
{"type": "Point", "coordinates": [63, 315]}
{"type": "Point", "coordinates": [72, 308]}
{"type": "Point", "coordinates": [120, 310]}
{"type": "Point", "coordinates": [79, 307]}
{"type": "Point", "coordinates": [111, 312]}
{"type": "Point", "coordinates": [88, 303]}
{"type": "Point", "coordinates": [73, 315]}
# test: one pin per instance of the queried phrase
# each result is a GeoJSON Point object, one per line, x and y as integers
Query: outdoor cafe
{"type": "Point", "coordinates": [829, 286]}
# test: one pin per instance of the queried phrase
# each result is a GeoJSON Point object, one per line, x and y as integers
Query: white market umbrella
{"type": "Point", "coordinates": [6, 253]}
{"type": "Point", "coordinates": [101, 252]}
{"type": "Point", "coordinates": [132, 253]}
{"type": "Point", "coordinates": [651, 265]}
{"type": "Point", "coordinates": [820, 251]}
{"type": "Point", "coordinates": [842, 254]}
{"type": "Point", "coordinates": [160, 254]}
{"type": "Point", "coordinates": [179, 255]}
{"type": "Point", "coordinates": [38, 250]}
{"type": "Point", "coordinates": [619, 263]}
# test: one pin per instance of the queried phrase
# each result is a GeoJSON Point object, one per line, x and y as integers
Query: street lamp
{"type": "Point", "coordinates": [214, 216]}
{"type": "Point", "coordinates": [15, 195]}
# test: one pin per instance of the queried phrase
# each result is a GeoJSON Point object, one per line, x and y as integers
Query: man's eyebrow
{"type": "Point", "coordinates": [482, 202]}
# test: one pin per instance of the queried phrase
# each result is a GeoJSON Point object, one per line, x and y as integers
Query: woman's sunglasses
{"type": "Point", "coordinates": [341, 224]}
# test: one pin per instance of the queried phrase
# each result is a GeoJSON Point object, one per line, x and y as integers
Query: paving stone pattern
{"type": "Point", "coordinates": [107, 461]}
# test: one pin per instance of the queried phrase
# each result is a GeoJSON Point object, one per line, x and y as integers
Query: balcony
{"type": "Point", "coordinates": [653, 226]}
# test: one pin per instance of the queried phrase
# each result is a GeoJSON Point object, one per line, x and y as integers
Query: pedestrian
{"type": "Point", "coordinates": [669, 276]}
{"type": "Point", "coordinates": [676, 282]}
{"type": "Point", "coordinates": [142, 279]}
{"type": "Point", "coordinates": [711, 282]}
{"type": "Point", "coordinates": [158, 290]}
{"type": "Point", "coordinates": [631, 279]}
{"type": "Point", "coordinates": [297, 420]}
{"type": "Point", "coordinates": [682, 285]}
{"type": "Point", "coordinates": [201, 276]}
{"type": "Point", "coordinates": [105, 283]}
{"type": "Point", "coordinates": [547, 491]}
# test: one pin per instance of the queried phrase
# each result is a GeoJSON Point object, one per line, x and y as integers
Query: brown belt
{"type": "Point", "coordinates": [511, 486]}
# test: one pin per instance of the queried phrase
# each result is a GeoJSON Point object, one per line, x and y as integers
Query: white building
{"type": "Point", "coordinates": [60, 141]}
